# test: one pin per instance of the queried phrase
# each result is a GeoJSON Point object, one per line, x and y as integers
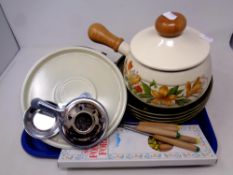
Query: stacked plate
{"type": "Point", "coordinates": [145, 112]}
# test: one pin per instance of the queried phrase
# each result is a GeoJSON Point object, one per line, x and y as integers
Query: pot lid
{"type": "Point", "coordinates": [68, 73]}
{"type": "Point", "coordinates": [170, 47]}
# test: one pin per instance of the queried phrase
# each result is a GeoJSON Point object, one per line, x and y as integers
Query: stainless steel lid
{"type": "Point", "coordinates": [83, 122]}
{"type": "Point", "coordinates": [39, 124]}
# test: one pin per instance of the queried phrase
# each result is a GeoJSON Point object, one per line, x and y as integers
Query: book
{"type": "Point", "coordinates": [125, 148]}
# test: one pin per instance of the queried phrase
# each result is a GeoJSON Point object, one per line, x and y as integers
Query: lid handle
{"type": "Point", "coordinates": [170, 24]}
{"type": "Point", "coordinates": [100, 34]}
{"type": "Point", "coordinates": [49, 108]}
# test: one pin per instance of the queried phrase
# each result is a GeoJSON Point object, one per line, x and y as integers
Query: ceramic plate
{"type": "Point", "coordinates": [135, 104]}
{"type": "Point", "coordinates": [167, 119]}
{"type": "Point", "coordinates": [66, 74]}
{"type": "Point", "coordinates": [179, 121]}
{"type": "Point", "coordinates": [176, 120]}
{"type": "Point", "coordinates": [201, 105]}
{"type": "Point", "coordinates": [179, 118]}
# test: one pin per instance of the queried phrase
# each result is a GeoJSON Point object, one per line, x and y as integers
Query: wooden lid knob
{"type": "Point", "coordinates": [170, 24]}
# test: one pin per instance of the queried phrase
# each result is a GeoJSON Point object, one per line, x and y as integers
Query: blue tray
{"type": "Point", "coordinates": [39, 149]}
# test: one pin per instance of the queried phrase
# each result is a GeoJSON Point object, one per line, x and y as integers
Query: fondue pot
{"type": "Point", "coordinates": [167, 65]}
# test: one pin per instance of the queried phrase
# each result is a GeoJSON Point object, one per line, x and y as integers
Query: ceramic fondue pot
{"type": "Point", "coordinates": [167, 65]}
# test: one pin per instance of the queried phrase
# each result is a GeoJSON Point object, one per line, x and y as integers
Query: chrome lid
{"type": "Point", "coordinates": [83, 122]}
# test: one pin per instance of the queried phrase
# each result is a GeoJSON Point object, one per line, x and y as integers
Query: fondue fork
{"type": "Point", "coordinates": [166, 139]}
{"type": "Point", "coordinates": [170, 130]}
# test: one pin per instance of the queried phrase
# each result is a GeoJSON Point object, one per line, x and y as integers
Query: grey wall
{"type": "Point", "coordinates": [8, 44]}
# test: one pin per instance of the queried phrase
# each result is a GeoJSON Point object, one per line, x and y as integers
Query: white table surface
{"type": "Point", "coordinates": [44, 26]}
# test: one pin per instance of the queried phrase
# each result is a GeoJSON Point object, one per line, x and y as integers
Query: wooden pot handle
{"type": "Point", "coordinates": [100, 34]}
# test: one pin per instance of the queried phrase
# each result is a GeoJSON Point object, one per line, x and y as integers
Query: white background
{"type": "Point", "coordinates": [43, 26]}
